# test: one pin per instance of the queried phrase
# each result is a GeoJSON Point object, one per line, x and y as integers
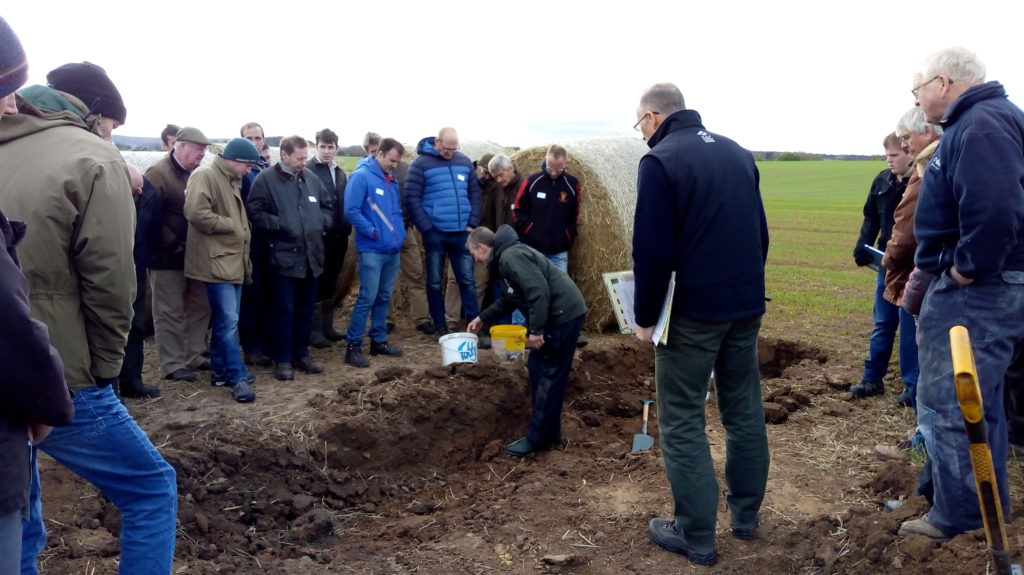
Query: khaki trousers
{"type": "Point", "coordinates": [453, 299]}
{"type": "Point", "coordinates": [181, 317]}
{"type": "Point", "coordinates": [411, 272]}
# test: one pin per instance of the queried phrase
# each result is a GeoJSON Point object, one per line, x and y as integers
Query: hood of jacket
{"type": "Point", "coordinates": [972, 96]}
{"type": "Point", "coordinates": [681, 120]}
{"type": "Point", "coordinates": [426, 146]}
{"type": "Point", "coordinates": [41, 108]}
{"type": "Point", "coordinates": [504, 237]}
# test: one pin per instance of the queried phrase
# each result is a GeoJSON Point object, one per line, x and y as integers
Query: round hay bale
{"type": "Point", "coordinates": [606, 169]}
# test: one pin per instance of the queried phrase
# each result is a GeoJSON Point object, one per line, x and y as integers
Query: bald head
{"type": "Point", "coordinates": [447, 143]}
{"type": "Point", "coordinates": [135, 178]}
{"type": "Point", "coordinates": [665, 98]}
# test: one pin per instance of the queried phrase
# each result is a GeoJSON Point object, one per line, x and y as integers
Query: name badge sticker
{"type": "Point", "coordinates": [462, 178]}
{"type": "Point", "coordinates": [380, 192]}
{"type": "Point", "coordinates": [541, 195]}
{"type": "Point", "coordinates": [312, 199]}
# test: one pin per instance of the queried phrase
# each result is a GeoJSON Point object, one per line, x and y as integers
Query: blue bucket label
{"type": "Point", "coordinates": [467, 351]}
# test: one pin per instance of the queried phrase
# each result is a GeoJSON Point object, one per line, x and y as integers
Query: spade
{"type": "Point", "coordinates": [642, 441]}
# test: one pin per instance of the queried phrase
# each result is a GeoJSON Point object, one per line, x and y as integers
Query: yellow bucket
{"type": "Point", "coordinates": [513, 336]}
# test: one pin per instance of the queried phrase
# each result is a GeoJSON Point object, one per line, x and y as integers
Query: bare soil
{"type": "Point", "coordinates": [400, 469]}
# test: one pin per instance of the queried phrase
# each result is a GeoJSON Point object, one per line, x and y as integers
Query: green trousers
{"type": "Point", "coordinates": [682, 369]}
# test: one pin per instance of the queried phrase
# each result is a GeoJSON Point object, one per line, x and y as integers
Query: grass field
{"type": "Point", "coordinates": [814, 214]}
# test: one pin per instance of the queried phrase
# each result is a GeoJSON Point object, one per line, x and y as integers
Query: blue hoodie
{"type": "Point", "coordinates": [440, 193]}
{"type": "Point", "coordinates": [379, 230]}
{"type": "Point", "coordinates": [971, 209]}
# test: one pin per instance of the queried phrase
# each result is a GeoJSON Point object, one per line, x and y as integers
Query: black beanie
{"type": "Point", "coordinates": [13, 64]}
{"type": "Point", "coordinates": [90, 84]}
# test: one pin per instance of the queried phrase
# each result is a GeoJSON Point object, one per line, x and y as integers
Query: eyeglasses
{"type": "Point", "coordinates": [917, 88]}
{"type": "Point", "coordinates": [449, 150]}
{"type": "Point", "coordinates": [636, 126]}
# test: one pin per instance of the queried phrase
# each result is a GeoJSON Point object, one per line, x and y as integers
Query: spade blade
{"type": "Point", "coordinates": [642, 441]}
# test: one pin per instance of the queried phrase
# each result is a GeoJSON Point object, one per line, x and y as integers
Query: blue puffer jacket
{"type": "Point", "coordinates": [376, 231]}
{"type": "Point", "coordinates": [971, 207]}
{"type": "Point", "coordinates": [440, 193]}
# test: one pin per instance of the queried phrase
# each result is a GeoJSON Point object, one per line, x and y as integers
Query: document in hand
{"type": "Point", "coordinates": [622, 291]}
{"type": "Point", "coordinates": [876, 257]}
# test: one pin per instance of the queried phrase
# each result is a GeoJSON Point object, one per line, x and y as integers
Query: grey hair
{"type": "Point", "coordinates": [663, 98]}
{"type": "Point", "coordinates": [957, 63]}
{"type": "Point", "coordinates": [914, 121]}
{"type": "Point", "coordinates": [499, 162]}
{"type": "Point", "coordinates": [371, 139]}
{"type": "Point", "coordinates": [481, 235]}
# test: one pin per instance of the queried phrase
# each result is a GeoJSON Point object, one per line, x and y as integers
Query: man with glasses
{"type": "Point", "coordinates": [547, 208]}
{"type": "Point", "coordinates": [181, 312]}
{"type": "Point", "coordinates": [969, 226]}
{"type": "Point", "coordinates": [442, 196]}
{"type": "Point", "coordinates": [885, 194]}
{"type": "Point", "coordinates": [699, 205]}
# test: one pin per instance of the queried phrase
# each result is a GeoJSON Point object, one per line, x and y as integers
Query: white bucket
{"type": "Point", "coordinates": [458, 348]}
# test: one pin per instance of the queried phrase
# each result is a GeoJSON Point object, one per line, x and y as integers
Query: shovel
{"type": "Point", "coordinates": [968, 394]}
{"type": "Point", "coordinates": [642, 441]}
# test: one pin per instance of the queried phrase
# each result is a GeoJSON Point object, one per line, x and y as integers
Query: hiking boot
{"type": "Point", "coordinates": [904, 399]}
{"type": "Point", "coordinates": [663, 533]}
{"type": "Point", "coordinates": [354, 356]}
{"type": "Point", "coordinates": [896, 452]}
{"type": "Point", "coordinates": [258, 358]}
{"type": "Point", "coordinates": [181, 375]}
{"type": "Point", "coordinates": [426, 327]}
{"type": "Point", "coordinates": [218, 379]}
{"type": "Point", "coordinates": [242, 391]}
{"type": "Point", "coordinates": [134, 388]}
{"type": "Point", "coordinates": [283, 371]}
{"type": "Point", "coordinates": [310, 365]}
{"type": "Point", "coordinates": [867, 389]}
{"type": "Point", "coordinates": [520, 447]}
{"type": "Point", "coordinates": [922, 527]}
{"type": "Point", "coordinates": [385, 348]}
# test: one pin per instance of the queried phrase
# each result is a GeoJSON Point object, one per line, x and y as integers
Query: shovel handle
{"type": "Point", "coordinates": [647, 407]}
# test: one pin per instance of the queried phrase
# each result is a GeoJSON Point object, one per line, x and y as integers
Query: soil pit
{"type": "Point", "coordinates": [400, 468]}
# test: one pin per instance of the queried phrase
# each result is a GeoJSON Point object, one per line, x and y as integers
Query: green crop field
{"type": "Point", "coordinates": [814, 214]}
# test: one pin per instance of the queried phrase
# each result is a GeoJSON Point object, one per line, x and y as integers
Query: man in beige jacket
{"type": "Point", "coordinates": [217, 254]}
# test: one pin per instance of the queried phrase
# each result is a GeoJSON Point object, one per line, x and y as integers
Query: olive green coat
{"type": "Point", "coordinates": [217, 244]}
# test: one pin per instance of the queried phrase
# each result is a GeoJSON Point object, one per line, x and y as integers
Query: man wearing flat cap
{"type": "Point", "coordinates": [181, 311]}
{"type": "Point", "coordinates": [77, 256]}
{"type": "Point", "coordinates": [217, 254]}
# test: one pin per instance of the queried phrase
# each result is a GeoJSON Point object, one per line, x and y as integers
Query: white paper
{"type": "Point", "coordinates": [626, 292]}
{"type": "Point", "coordinates": [661, 329]}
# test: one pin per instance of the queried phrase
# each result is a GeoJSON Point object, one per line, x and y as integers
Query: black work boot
{"type": "Point", "coordinates": [867, 389]}
{"type": "Point", "coordinates": [316, 332]}
{"type": "Point", "coordinates": [136, 389]}
{"type": "Point", "coordinates": [385, 348]}
{"type": "Point", "coordinates": [354, 356]}
{"type": "Point", "coordinates": [329, 332]}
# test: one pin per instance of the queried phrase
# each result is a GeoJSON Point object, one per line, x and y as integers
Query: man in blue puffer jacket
{"type": "Point", "coordinates": [442, 196]}
{"type": "Point", "coordinates": [373, 207]}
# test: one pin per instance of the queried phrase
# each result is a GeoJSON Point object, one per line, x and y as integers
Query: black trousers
{"type": "Point", "coordinates": [549, 369]}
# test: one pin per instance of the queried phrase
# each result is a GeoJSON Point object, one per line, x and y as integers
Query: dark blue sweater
{"type": "Point", "coordinates": [698, 213]}
{"type": "Point", "coordinates": [971, 209]}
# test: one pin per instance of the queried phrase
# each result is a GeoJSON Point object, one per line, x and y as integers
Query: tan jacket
{"type": "Point", "coordinates": [217, 248]}
{"type": "Point", "coordinates": [72, 190]}
{"type": "Point", "coordinates": [899, 251]}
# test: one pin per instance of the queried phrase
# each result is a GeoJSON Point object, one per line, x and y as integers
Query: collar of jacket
{"type": "Point", "coordinates": [287, 176]}
{"type": "Point", "coordinates": [681, 120]}
{"type": "Point", "coordinates": [176, 165]}
{"type": "Point", "coordinates": [222, 165]}
{"type": "Point", "coordinates": [972, 96]}
{"type": "Point", "coordinates": [42, 107]}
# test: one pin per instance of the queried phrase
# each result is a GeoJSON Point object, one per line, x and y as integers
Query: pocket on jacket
{"type": "Point", "coordinates": [228, 266]}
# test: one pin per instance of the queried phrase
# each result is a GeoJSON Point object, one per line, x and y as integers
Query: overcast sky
{"type": "Point", "coordinates": [826, 77]}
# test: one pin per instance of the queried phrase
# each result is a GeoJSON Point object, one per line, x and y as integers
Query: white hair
{"type": "Point", "coordinates": [499, 162]}
{"type": "Point", "coordinates": [959, 64]}
{"type": "Point", "coordinates": [915, 122]}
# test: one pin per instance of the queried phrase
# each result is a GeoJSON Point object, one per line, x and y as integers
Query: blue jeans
{"type": "Point", "coordinates": [561, 260]}
{"type": "Point", "coordinates": [888, 317]}
{"type": "Point", "coordinates": [225, 351]}
{"type": "Point", "coordinates": [452, 245]}
{"type": "Point", "coordinates": [377, 274]}
{"type": "Point", "coordinates": [292, 313]}
{"type": "Point", "coordinates": [681, 372]}
{"type": "Point", "coordinates": [991, 309]}
{"type": "Point", "coordinates": [105, 446]}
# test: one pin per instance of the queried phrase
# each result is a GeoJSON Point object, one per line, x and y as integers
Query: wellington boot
{"type": "Point", "coordinates": [316, 334]}
{"type": "Point", "coordinates": [328, 314]}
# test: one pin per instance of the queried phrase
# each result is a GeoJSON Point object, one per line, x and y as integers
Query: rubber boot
{"type": "Point", "coordinates": [316, 333]}
{"type": "Point", "coordinates": [329, 332]}
{"type": "Point", "coordinates": [136, 389]}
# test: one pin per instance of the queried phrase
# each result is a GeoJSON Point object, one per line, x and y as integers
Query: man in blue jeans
{"type": "Point", "coordinates": [442, 195]}
{"type": "Point", "coordinates": [217, 254]}
{"type": "Point", "coordinates": [78, 258]}
{"type": "Point", "coordinates": [886, 192]}
{"type": "Point", "coordinates": [699, 205]}
{"type": "Point", "coordinates": [970, 235]}
{"type": "Point", "coordinates": [373, 207]}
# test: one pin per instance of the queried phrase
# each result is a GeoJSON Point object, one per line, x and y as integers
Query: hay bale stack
{"type": "Point", "coordinates": [144, 159]}
{"type": "Point", "coordinates": [606, 169]}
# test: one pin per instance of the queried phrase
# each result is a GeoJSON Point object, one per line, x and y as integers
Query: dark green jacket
{"type": "Point", "coordinates": [530, 282]}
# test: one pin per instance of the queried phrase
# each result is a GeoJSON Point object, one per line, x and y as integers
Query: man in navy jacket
{"type": "Point", "coordinates": [442, 196]}
{"type": "Point", "coordinates": [699, 214]}
{"type": "Point", "coordinates": [970, 235]}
